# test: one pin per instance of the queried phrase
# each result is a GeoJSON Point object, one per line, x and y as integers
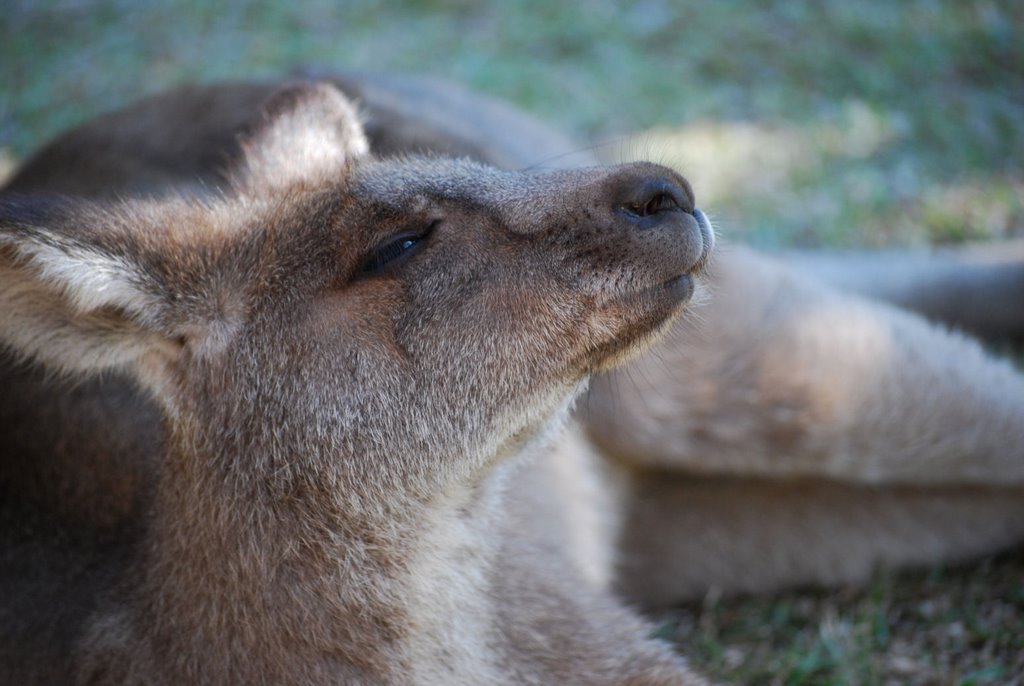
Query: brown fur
{"type": "Point", "coordinates": [329, 502]}
{"type": "Point", "coordinates": [766, 442]}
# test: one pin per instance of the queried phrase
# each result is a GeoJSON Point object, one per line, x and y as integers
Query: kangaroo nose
{"type": "Point", "coordinates": [647, 202]}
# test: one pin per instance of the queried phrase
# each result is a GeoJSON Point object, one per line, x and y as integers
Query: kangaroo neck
{"type": "Point", "coordinates": [291, 584]}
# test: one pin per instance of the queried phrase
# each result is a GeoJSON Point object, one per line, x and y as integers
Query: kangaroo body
{"type": "Point", "coordinates": [277, 411]}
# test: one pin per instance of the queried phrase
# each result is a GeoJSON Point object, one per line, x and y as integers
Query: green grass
{"type": "Point", "coordinates": [835, 123]}
{"type": "Point", "coordinates": [961, 626]}
{"type": "Point", "coordinates": [882, 123]}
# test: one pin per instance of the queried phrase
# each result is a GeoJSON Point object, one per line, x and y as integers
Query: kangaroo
{"type": "Point", "coordinates": [786, 431]}
{"type": "Point", "coordinates": [354, 360]}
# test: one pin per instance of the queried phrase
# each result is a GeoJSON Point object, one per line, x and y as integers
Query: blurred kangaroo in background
{"type": "Point", "coordinates": [295, 411]}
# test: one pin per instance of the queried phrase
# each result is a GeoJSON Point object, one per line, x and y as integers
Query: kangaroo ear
{"type": "Point", "coordinates": [85, 288]}
{"type": "Point", "coordinates": [308, 132]}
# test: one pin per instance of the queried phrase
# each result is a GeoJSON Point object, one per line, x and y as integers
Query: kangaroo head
{"type": "Point", "coordinates": [395, 323]}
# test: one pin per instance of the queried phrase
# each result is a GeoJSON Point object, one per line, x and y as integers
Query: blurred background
{"type": "Point", "coordinates": [835, 123]}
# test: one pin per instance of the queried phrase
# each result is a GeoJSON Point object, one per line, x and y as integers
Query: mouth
{"type": "Point", "coordinates": [644, 313]}
{"type": "Point", "coordinates": [659, 302]}
{"type": "Point", "coordinates": [679, 288]}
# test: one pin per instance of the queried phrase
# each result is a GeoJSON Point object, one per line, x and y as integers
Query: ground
{"type": "Point", "coordinates": [962, 625]}
{"type": "Point", "coordinates": [833, 123]}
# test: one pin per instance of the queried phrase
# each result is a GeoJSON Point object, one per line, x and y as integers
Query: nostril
{"type": "Point", "coordinates": [661, 202]}
{"type": "Point", "coordinates": [658, 203]}
{"type": "Point", "coordinates": [652, 198]}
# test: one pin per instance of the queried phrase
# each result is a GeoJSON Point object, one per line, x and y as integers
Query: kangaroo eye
{"type": "Point", "coordinates": [394, 251]}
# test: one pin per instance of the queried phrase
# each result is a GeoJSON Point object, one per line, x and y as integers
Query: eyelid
{"type": "Point", "coordinates": [391, 252]}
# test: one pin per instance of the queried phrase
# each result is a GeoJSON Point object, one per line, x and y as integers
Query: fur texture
{"type": "Point", "coordinates": [344, 418]}
{"type": "Point", "coordinates": [337, 472]}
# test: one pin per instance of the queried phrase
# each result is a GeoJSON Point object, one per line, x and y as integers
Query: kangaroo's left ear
{"type": "Point", "coordinates": [308, 132]}
{"type": "Point", "coordinates": [87, 287]}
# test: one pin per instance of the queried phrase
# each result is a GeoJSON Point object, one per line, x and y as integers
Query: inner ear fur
{"type": "Point", "coordinates": [86, 287]}
{"type": "Point", "coordinates": [307, 132]}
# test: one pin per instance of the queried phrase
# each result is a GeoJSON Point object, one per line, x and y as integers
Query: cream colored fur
{"type": "Point", "coordinates": [790, 433]}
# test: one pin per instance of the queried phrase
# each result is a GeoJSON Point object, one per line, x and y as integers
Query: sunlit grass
{"type": "Point", "coordinates": [827, 184]}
